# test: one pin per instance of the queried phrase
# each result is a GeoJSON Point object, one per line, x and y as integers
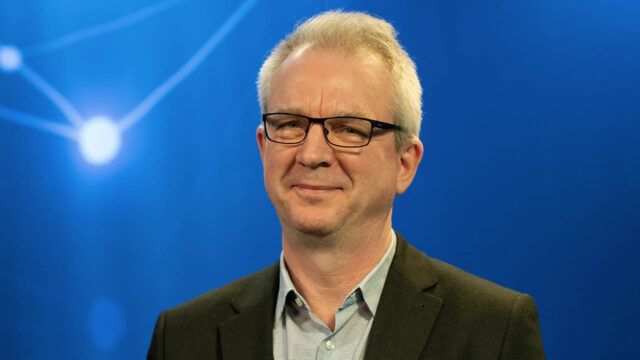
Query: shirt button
{"type": "Point", "coordinates": [298, 301]}
{"type": "Point", "coordinates": [329, 345]}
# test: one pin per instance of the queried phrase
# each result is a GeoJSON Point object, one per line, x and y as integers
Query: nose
{"type": "Point", "coordinates": [315, 151]}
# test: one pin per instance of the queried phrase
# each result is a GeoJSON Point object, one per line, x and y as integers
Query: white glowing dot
{"type": "Point", "coordinates": [99, 140]}
{"type": "Point", "coordinates": [10, 58]}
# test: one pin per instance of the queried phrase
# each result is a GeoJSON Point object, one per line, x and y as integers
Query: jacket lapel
{"type": "Point", "coordinates": [249, 334]}
{"type": "Point", "coordinates": [406, 313]}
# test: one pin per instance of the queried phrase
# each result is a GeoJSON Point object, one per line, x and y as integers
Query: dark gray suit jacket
{"type": "Point", "coordinates": [428, 310]}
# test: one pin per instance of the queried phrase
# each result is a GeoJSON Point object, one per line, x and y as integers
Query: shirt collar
{"type": "Point", "coordinates": [285, 287]}
{"type": "Point", "coordinates": [370, 287]}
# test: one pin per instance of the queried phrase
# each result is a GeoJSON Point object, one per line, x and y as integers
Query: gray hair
{"type": "Point", "coordinates": [351, 31]}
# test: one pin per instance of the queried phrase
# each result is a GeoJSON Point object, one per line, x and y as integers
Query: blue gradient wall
{"type": "Point", "coordinates": [530, 176]}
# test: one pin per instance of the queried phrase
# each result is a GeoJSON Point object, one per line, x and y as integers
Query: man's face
{"type": "Point", "coordinates": [318, 188]}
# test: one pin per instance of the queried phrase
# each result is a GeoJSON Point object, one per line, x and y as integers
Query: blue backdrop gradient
{"type": "Point", "coordinates": [530, 177]}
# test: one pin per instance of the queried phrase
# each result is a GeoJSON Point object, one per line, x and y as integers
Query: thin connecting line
{"type": "Point", "coordinates": [161, 91]}
{"type": "Point", "coordinates": [38, 123]}
{"type": "Point", "coordinates": [101, 29]}
{"type": "Point", "coordinates": [60, 101]}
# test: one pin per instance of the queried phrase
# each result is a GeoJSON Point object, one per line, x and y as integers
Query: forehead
{"type": "Point", "coordinates": [332, 81]}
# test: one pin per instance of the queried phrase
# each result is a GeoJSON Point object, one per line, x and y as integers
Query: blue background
{"type": "Point", "coordinates": [530, 176]}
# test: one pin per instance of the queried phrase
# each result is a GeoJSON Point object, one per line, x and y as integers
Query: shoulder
{"type": "Point", "coordinates": [459, 286]}
{"type": "Point", "coordinates": [488, 314]}
{"type": "Point", "coordinates": [453, 285]}
{"type": "Point", "coordinates": [216, 306]}
{"type": "Point", "coordinates": [190, 330]}
{"type": "Point", "coordinates": [485, 316]}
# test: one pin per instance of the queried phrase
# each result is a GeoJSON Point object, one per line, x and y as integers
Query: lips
{"type": "Point", "coordinates": [316, 187]}
{"type": "Point", "coordinates": [314, 192]}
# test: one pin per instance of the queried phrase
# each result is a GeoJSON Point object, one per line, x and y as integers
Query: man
{"type": "Point", "coordinates": [341, 107]}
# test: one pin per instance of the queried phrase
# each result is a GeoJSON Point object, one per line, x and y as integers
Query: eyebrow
{"type": "Point", "coordinates": [287, 110]}
{"type": "Point", "coordinates": [300, 112]}
{"type": "Point", "coordinates": [356, 114]}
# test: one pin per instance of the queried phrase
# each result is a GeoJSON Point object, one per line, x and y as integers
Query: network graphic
{"type": "Point", "coordinates": [99, 137]}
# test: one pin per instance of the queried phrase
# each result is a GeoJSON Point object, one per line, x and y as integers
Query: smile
{"type": "Point", "coordinates": [315, 190]}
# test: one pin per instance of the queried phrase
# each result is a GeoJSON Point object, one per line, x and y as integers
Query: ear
{"type": "Point", "coordinates": [261, 138]}
{"type": "Point", "coordinates": [409, 161]}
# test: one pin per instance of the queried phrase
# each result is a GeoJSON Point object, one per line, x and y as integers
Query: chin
{"type": "Point", "coordinates": [313, 227]}
{"type": "Point", "coordinates": [315, 232]}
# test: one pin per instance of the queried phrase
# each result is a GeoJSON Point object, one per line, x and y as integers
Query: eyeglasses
{"type": "Point", "coordinates": [342, 131]}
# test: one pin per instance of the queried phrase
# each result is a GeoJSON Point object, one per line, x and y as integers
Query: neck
{"type": "Point", "coordinates": [324, 275]}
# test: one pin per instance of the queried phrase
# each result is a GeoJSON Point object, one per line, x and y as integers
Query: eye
{"type": "Point", "coordinates": [290, 124]}
{"type": "Point", "coordinates": [345, 130]}
{"type": "Point", "coordinates": [287, 122]}
{"type": "Point", "coordinates": [350, 128]}
{"type": "Point", "coordinates": [352, 131]}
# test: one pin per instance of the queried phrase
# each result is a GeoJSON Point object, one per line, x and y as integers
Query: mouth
{"type": "Point", "coordinates": [315, 190]}
{"type": "Point", "coordinates": [316, 187]}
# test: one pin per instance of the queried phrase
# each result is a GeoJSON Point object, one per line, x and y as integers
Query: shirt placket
{"type": "Point", "coordinates": [331, 347]}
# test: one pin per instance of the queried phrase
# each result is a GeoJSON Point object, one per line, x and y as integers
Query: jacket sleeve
{"type": "Point", "coordinates": [156, 349]}
{"type": "Point", "coordinates": [522, 339]}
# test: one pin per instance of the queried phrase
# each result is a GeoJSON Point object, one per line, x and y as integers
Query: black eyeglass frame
{"type": "Point", "coordinates": [374, 124]}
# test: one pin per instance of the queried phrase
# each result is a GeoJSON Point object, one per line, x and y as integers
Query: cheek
{"type": "Point", "coordinates": [275, 164]}
{"type": "Point", "coordinates": [381, 178]}
{"type": "Point", "coordinates": [271, 173]}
